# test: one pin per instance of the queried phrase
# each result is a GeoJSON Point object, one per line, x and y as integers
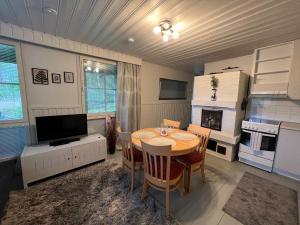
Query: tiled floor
{"type": "Point", "coordinates": [204, 204]}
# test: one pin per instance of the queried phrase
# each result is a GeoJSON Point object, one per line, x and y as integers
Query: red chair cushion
{"type": "Point", "coordinates": [175, 170]}
{"type": "Point", "coordinates": [137, 155]}
{"type": "Point", "coordinates": [191, 158]}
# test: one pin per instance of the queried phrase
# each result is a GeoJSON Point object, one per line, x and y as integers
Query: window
{"type": "Point", "coordinates": [100, 87]}
{"type": "Point", "coordinates": [10, 93]}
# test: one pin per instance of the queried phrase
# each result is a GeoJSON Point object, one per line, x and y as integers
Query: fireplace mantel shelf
{"type": "Point", "coordinates": [219, 104]}
{"type": "Point", "coordinates": [225, 137]}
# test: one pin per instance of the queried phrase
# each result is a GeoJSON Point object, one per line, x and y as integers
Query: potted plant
{"type": "Point", "coordinates": [214, 84]}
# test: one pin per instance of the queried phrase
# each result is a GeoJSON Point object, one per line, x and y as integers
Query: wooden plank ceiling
{"type": "Point", "coordinates": [212, 29]}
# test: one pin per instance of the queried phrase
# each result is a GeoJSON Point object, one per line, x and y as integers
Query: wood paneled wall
{"type": "Point", "coordinates": [153, 114]}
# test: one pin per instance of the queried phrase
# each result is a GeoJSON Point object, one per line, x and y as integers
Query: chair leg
{"type": "Point", "coordinates": [145, 188]}
{"type": "Point", "coordinates": [132, 180]}
{"type": "Point", "coordinates": [181, 186]}
{"type": "Point", "coordinates": [167, 202]}
{"type": "Point", "coordinates": [202, 172]}
{"type": "Point", "coordinates": [189, 174]}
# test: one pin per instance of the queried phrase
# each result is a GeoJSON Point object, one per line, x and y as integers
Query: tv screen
{"type": "Point", "coordinates": [172, 89]}
{"type": "Point", "coordinates": [60, 127]}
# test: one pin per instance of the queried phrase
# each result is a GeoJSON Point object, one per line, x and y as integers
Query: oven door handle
{"type": "Point", "coordinates": [268, 135]}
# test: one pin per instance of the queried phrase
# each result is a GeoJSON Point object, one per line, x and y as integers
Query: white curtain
{"type": "Point", "coordinates": [129, 96]}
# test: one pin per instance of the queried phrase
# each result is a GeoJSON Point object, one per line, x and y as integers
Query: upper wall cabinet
{"type": "Point", "coordinates": [294, 81]}
{"type": "Point", "coordinates": [276, 71]}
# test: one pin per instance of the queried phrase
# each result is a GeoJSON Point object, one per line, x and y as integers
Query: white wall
{"type": "Point", "coordinates": [153, 109]}
{"type": "Point", "coordinates": [267, 108]}
{"type": "Point", "coordinates": [65, 98]}
{"type": "Point", "coordinates": [54, 95]}
{"type": "Point", "coordinates": [244, 63]}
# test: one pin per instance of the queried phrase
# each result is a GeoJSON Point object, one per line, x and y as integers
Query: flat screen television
{"type": "Point", "coordinates": [172, 89]}
{"type": "Point", "coordinates": [49, 128]}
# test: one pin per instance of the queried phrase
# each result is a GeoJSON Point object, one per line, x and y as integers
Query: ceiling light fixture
{"type": "Point", "coordinates": [167, 30]}
{"type": "Point", "coordinates": [131, 40]}
{"type": "Point", "coordinates": [50, 11]}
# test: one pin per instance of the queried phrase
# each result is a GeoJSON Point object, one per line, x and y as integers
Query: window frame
{"type": "Point", "coordinates": [24, 120]}
{"type": "Point", "coordinates": [100, 115]}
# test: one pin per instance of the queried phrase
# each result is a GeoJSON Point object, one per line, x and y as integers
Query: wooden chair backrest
{"type": "Point", "coordinates": [172, 123]}
{"type": "Point", "coordinates": [156, 159]}
{"type": "Point", "coordinates": [203, 134]}
{"type": "Point", "coordinates": [125, 139]}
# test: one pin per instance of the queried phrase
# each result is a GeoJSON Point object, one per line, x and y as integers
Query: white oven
{"type": "Point", "coordinates": [258, 145]}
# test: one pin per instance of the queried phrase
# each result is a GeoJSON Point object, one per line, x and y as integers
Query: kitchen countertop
{"type": "Point", "coordinates": [290, 126]}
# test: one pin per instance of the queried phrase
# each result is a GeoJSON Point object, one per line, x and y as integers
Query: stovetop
{"type": "Point", "coordinates": [262, 125]}
{"type": "Point", "coordinates": [263, 121]}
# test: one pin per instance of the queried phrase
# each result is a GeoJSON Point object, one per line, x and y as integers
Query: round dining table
{"type": "Point", "coordinates": [182, 142]}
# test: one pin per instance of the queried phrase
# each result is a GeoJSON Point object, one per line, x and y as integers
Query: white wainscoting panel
{"type": "Point", "coordinates": [153, 114]}
{"type": "Point", "coordinates": [53, 111]}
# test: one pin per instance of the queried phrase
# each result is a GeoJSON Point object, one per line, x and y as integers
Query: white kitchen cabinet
{"type": "Point", "coordinates": [294, 80]}
{"type": "Point", "coordinates": [276, 71]}
{"type": "Point", "coordinates": [41, 161]}
{"type": "Point", "coordinates": [287, 158]}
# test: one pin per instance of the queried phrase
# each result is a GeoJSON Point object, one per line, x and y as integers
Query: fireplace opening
{"type": "Point", "coordinates": [212, 119]}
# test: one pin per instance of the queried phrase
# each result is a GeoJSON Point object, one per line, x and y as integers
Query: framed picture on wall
{"type": "Point", "coordinates": [56, 78]}
{"type": "Point", "coordinates": [40, 76]}
{"type": "Point", "coordinates": [69, 77]}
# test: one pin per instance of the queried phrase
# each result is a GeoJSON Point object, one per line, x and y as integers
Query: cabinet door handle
{"type": "Point", "coordinates": [68, 158]}
{"type": "Point", "coordinates": [75, 157]}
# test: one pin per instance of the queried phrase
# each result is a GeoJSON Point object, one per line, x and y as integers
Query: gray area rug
{"type": "Point", "coordinates": [98, 194]}
{"type": "Point", "coordinates": [257, 201]}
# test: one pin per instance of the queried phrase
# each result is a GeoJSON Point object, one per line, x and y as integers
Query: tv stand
{"type": "Point", "coordinates": [41, 161]}
{"type": "Point", "coordinates": [63, 142]}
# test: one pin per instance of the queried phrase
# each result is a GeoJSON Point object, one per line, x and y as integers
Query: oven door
{"type": "Point", "coordinates": [268, 142]}
{"type": "Point", "coordinates": [247, 141]}
{"type": "Point", "coordinates": [266, 145]}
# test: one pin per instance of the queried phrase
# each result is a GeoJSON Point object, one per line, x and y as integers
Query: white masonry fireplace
{"type": "Point", "coordinates": [224, 115]}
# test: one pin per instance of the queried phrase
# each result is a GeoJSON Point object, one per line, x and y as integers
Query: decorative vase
{"type": "Point", "coordinates": [111, 135]}
{"type": "Point", "coordinates": [214, 94]}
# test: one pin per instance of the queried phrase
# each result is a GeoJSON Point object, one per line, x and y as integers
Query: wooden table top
{"type": "Point", "coordinates": [181, 147]}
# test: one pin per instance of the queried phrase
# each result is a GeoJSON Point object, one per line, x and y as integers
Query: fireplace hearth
{"type": "Point", "coordinates": [212, 119]}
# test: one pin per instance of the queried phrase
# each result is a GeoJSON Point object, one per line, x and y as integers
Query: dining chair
{"type": "Point", "coordinates": [132, 159]}
{"type": "Point", "coordinates": [195, 160]}
{"type": "Point", "coordinates": [161, 171]}
{"type": "Point", "coordinates": [171, 123]}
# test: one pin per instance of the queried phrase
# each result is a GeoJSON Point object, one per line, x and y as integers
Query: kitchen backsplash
{"type": "Point", "coordinates": [274, 109]}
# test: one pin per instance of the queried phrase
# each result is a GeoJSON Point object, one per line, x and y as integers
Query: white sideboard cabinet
{"type": "Point", "coordinates": [41, 161]}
